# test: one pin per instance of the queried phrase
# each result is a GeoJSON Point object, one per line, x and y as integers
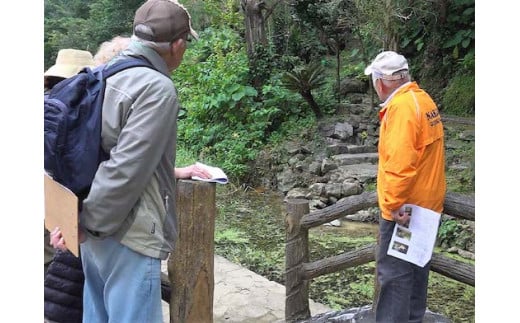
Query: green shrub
{"type": "Point", "coordinates": [455, 233]}
{"type": "Point", "coordinates": [224, 119]}
{"type": "Point", "coordinates": [447, 233]}
{"type": "Point", "coordinates": [184, 156]}
{"type": "Point", "coordinates": [459, 98]}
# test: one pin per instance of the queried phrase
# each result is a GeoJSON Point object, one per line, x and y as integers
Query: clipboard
{"type": "Point", "coordinates": [61, 210]}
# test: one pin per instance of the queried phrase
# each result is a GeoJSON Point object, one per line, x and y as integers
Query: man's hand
{"type": "Point", "coordinates": [58, 241]}
{"type": "Point", "coordinates": [192, 170]}
{"type": "Point", "coordinates": [402, 218]}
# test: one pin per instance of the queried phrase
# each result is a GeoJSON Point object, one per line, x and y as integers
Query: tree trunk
{"type": "Point", "coordinates": [391, 38]}
{"type": "Point", "coordinates": [255, 24]}
{"type": "Point", "coordinates": [307, 95]}
{"type": "Point", "coordinates": [338, 68]}
{"type": "Point", "coordinates": [442, 6]}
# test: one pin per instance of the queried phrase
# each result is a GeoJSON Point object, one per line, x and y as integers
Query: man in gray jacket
{"type": "Point", "coordinates": [129, 215]}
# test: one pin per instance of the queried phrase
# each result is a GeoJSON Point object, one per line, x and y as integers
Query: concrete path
{"type": "Point", "coordinates": [242, 296]}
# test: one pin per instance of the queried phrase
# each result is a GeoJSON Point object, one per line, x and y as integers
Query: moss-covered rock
{"type": "Point", "coordinates": [459, 98]}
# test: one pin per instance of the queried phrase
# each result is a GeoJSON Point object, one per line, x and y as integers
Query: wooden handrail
{"type": "Point", "coordinates": [333, 264]}
{"type": "Point", "coordinates": [460, 206]}
{"type": "Point", "coordinates": [343, 207]}
{"type": "Point", "coordinates": [452, 268]}
{"type": "Point", "coordinates": [299, 271]}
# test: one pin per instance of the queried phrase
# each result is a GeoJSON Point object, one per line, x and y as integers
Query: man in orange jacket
{"type": "Point", "coordinates": [410, 170]}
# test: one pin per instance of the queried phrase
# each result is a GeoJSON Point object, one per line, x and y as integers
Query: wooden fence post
{"type": "Point", "coordinates": [191, 264]}
{"type": "Point", "coordinates": [296, 253]}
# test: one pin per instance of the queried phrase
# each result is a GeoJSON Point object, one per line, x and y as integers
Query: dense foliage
{"type": "Point", "coordinates": [234, 100]}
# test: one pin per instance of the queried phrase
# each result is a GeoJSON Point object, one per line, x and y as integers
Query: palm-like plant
{"type": "Point", "coordinates": [303, 80]}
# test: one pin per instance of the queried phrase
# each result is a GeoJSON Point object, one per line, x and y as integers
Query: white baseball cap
{"type": "Point", "coordinates": [386, 64]}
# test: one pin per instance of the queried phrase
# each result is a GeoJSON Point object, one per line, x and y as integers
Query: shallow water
{"type": "Point", "coordinates": [259, 220]}
{"type": "Point", "coordinates": [350, 229]}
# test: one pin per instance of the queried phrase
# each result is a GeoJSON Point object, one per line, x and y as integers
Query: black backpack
{"type": "Point", "coordinates": [72, 128]}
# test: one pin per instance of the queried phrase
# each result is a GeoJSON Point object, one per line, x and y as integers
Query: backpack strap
{"type": "Point", "coordinates": [105, 71]}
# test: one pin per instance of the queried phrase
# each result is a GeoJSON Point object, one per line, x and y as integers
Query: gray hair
{"type": "Point", "coordinates": [109, 49]}
{"type": "Point", "coordinates": [399, 78]}
{"type": "Point", "coordinates": [161, 47]}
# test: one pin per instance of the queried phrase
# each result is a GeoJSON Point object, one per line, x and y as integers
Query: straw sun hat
{"type": "Point", "coordinates": [69, 62]}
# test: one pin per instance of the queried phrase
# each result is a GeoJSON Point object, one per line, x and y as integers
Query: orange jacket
{"type": "Point", "coordinates": [411, 152]}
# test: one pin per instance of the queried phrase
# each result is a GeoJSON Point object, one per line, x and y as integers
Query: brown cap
{"type": "Point", "coordinates": [162, 21]}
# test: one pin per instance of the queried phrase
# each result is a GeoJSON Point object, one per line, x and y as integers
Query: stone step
{"type": "Point", "coordinates": [352, 159]}
{"type": "Point", "coordinates": [344, 148]}
{"type": "Point", "coordinates": [364, 172]}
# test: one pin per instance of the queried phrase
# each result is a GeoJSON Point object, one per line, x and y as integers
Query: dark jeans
{"type": "Point", "coordinates": [404, 286]}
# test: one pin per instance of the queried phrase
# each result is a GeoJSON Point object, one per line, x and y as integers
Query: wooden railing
{"type": "Point", "coordinates": [190, 266]}
{"type": "Point", "coordinates": [299, 271]}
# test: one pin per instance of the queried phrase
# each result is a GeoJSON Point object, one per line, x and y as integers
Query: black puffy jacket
{"type": "Point", "coordinates": [63, 289]}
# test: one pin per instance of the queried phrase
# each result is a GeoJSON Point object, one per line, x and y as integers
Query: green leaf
{"type": "Point", "coordinates": [237, 96]}
{"type": "Point", "coordinates": [250, 91]}
{"type": "Point", "coordinates": [235, 87]}
{"type": "Point", "coordinates": [455, 40]}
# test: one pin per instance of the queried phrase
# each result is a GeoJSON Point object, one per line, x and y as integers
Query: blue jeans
{"type": "Point", "coordinates": [121, 285]}
{"type": "Point", "coordinates": [403, 285]}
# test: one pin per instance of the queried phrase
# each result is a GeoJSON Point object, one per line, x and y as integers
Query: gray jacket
{"type": "Point", "coordinates": [132, 196]}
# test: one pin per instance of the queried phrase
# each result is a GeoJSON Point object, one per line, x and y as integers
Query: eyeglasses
{"type": "Point", "coordinates": [187, 40]}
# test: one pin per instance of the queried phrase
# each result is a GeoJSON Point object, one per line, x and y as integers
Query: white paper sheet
{"type": "Point", "coordinates": [415, 244]}
{"type": "Point", "coordinates": [217, 174]}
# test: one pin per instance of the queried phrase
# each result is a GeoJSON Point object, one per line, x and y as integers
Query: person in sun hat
{"type": "Point", "coordinates": [63, 276]}
{"type": "Point", "coordinates": [68, 63]}
{"type": "Point", "coordinates": [410, 170]}
{"type": "Point", "coordinates": [128, 219]}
